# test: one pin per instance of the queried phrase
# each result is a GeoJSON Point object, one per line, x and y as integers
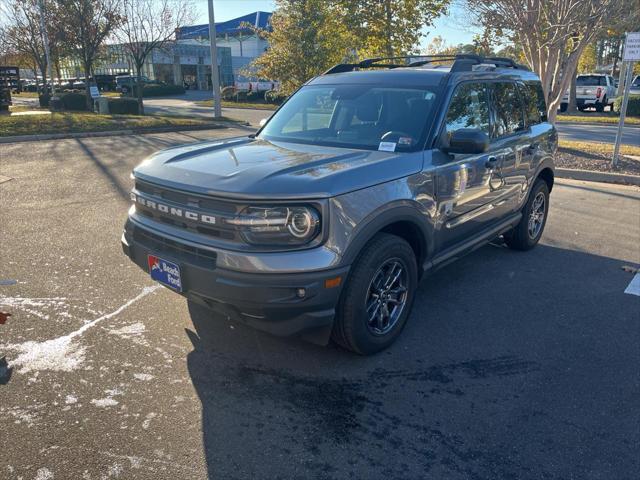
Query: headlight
{"type": "Point", "coordinates": [277, 225]}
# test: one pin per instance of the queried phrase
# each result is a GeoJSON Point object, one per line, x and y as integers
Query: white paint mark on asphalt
{"type": "Point", "coordinates": [62, 354]}
{"type": "Point", "coordinates": [634, 286]}
{"type": "Point", "coordinates": [104, 402]}
{"type": "Point", "coordinates": [44, 474]}
{"type": "Point", "coordinates": [132, 332]}
{"type": "Point", "coordinates": [71, 399]}
{"type": "Point", "coordinates": [147, 421]}
{"type": "Point", "coordinates": [144, 377]}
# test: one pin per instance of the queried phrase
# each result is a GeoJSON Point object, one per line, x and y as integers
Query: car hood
{"type": "Point", "coordinates": [256, 168]}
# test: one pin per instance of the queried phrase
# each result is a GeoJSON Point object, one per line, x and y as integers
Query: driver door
{"type": "Point", "coordinates": [466, 184]}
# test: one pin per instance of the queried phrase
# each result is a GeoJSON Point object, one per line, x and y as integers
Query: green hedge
{"type": "Point", "coordinates": [273, 96]}
{"type": "Point", "coordinates": [228, 93]}
{"type": "Point", "coordinates": [123, 106]}
{"type": "Point", "coordinates": [74, 101]}
{"type": "Point", "coordinates": [633, 107]}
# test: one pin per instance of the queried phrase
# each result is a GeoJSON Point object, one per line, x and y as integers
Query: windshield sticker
{"type": "Point", "coordinates": [387, 147]}
{"type": "Point", "coordinates": [405, 141]}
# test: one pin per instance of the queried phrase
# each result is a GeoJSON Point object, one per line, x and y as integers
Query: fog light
{"type": "Point", "coordinates": [301, 292]}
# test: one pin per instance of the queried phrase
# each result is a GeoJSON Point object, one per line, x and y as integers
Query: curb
{"type": "Point", "coordinates": [590, 176]}
{"type": "Point", "coordinates": [114, 133]}
{"type": "Point", "coordinates": [596, 124]}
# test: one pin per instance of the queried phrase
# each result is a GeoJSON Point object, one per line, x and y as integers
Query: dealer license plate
{"type": "Point", "coordinates": [165, 272]}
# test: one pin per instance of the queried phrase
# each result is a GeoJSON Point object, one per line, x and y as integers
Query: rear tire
{"type": "Point", "coordinates": [372, 311]}
{"type": "Point", "coordinates": [527, 233]}
{"type": "Point", "coordinates": [600, 106]}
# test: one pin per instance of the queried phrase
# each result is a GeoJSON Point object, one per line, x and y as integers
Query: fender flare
{"type": "Point", "coordinates": [378, 220]}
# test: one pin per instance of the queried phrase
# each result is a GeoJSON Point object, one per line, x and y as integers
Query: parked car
{"type": "Point", "coordinates": [364, 181]}
{"type": "Point", "coordinates": [124, 83]}
{"type": "Point", "coordinates": [592, 90]}
{"type": "Point", "coordinates": [635, 86]}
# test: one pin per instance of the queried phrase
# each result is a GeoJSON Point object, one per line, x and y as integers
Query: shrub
{"type": "Point", "coordinates": [162, 90]}
{"type": "Point", "coordinates": [253, 96]}
{"type": "Point", "coordinates": [123, 106]}
{"type": "Point", "coordinates": [633, 107]}
{"type": "Point", "coordinates": [274, 96]}
{"type": "Point", "coordinates": [241, 96]}
{"type": "Point", "coordinates": [73, 101]}
{"type": "Point", "coordinates": [228, 93]}
{"type": "Point", "coordinates": [44, 99]}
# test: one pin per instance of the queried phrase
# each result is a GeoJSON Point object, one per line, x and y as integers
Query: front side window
{"type": "Point", "coordinates": [354, 116]}
{"type": "Point", "coordinates": [507, 108]}
{"type": "Point", "coordinates": [469, 108]}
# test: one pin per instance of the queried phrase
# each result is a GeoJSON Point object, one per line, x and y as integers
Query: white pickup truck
{"type": "Point", "coordinates": [592, 90]}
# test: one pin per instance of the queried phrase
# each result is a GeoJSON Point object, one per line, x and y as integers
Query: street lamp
{"type": "Point", "coordinates": [215, 79]}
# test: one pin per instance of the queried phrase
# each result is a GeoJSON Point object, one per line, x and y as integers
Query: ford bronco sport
{"type": "Point", "coordinates": [322, 223]}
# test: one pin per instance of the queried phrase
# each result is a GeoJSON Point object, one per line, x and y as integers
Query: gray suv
{"type": "Point", "coordinates": [367, 178]}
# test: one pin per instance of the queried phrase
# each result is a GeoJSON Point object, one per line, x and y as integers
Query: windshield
{"type": "Point", "coordinates": [355, 116]}
{"type": "Point", "coordinates": [591, 80]}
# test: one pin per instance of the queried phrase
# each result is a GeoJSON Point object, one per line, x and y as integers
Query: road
{"type": "Point", "coordinates": [186, 106]}
{"type": "Point", "coordinates": [512, 365]}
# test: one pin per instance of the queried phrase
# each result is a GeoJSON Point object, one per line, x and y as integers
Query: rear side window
{"type": "Point", "coordinates": [507, 109]}
{"type": "Point", "coordinates": [534, 104]}
{"type": "Point", "coordinates": [469, 108]}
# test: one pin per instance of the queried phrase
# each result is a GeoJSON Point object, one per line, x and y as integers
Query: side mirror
{"type": "Point", "coordinates": [468, 140]}
{"type": "Point", "coordinates": [263, 122]}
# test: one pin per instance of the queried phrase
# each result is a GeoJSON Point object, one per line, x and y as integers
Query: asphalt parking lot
{"type": "Point", "coordinates": [512, 366]}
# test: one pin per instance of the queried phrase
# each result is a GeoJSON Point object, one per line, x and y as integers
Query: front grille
{"type": "Point", "coordinates": [176, 250]}
{"type": "Point", "coordinates": [186, 201]}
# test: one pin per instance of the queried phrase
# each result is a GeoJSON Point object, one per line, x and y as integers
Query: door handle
{"type": "Point", "coordinates": [490, 163]}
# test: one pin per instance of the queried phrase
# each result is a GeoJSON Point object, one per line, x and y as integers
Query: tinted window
{"type": "Point", "coordinates": [508, 109]}
{"type": "Point", "coordinates": [534, 104]}
{"type": "Point", "coordinates": [636, 82]}
{"type": "Point", "coordinates": [469, 108]}
{"type": "Point", "coordinates": [591, 80]}
{"type": "Point", "coordinates": [357, 116]}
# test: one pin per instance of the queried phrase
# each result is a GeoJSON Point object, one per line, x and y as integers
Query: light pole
{"type": "Point", "coordinates": [45, 40]}
{"type": "Point", "coordinates": [215, 79]}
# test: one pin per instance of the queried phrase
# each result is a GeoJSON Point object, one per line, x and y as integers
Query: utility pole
{"type": "Point", "coordinates": [215, 78]}
{"type": "Point", "coordinates": [47, 54]}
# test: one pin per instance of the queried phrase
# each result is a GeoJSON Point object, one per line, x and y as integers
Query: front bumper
{"type": "Point", "coordinates": [267, 301]}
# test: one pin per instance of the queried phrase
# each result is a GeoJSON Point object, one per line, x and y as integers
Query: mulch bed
{"type": "Point", "coordinates": [598, 162]}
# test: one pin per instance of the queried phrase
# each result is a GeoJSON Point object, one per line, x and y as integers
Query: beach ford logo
{"type": "Point", "coordinates": [173, 211]}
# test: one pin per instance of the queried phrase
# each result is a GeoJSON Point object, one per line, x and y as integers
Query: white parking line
{"type": "Point", "coordinates": [634, 287]}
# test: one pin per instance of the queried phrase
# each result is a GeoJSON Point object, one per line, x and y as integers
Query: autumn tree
{"type": "Point", "coordinates": [86, 24]}
{"type": "Point", "coordinates": [390, 27]}
{"type": "Point", "coordinates": [552, 33]}
{"type": "Point", "coordinates": [147, 25]}
{"type": "Point", "coordinates": [307, 37]}
{"type": "Point", "coordinates": [22, 33]}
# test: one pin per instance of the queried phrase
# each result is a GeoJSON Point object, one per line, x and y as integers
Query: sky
{"type": "Point", "coordinates": [451, 27]}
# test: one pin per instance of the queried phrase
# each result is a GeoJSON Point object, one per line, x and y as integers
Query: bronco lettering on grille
{"type": "Point", "coordinates": [175, 212]}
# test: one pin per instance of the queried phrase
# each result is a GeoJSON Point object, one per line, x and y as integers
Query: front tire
{"type": "Point", "coordinates": [527, 233]}
{"type": "Point", "coordinates": [377, 299]}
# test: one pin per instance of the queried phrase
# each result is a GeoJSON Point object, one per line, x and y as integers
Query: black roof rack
{"type": "Point", "coordinates": [461, 62]}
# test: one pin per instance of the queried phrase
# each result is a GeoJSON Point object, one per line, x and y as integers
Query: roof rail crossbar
{"type": "Point", "coordinates": [461, 62]}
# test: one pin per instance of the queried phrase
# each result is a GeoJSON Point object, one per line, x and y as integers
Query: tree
{"type": "Point", "coordinates": [86, 24]}
{"type": "Point", "coordinates": [307, 38]}
{"type": "Point", "coordinates": [23, 35]}
{"type": "Point", "coordinates": [552, 33]}
{"type": "Point", "coordinates": [147, 26]}
{"type": "Point", "coordinates": [390, 27]}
